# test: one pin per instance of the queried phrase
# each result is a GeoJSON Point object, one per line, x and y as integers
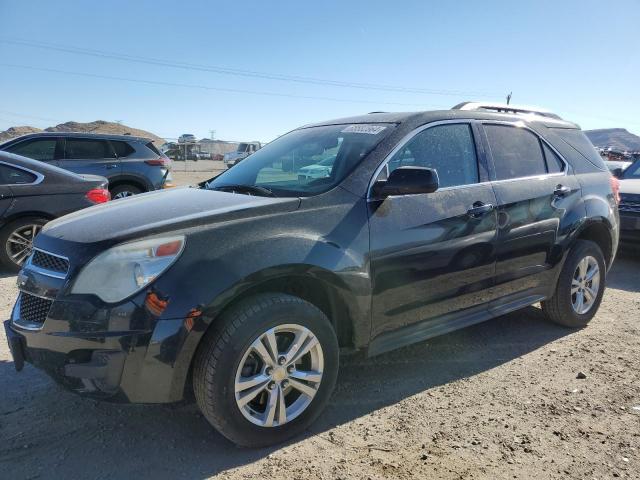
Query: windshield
{"type": "Point", "coordinates": [633, 172]}
{"type": "Point", "coordinates": [277, 167]}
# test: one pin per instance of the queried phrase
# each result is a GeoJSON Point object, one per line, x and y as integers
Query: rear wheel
{"type": "Point", "coordinates": [267, 370]}
{"type": "Point", "coordinates": [580, 286]}
{"type": "Point", "coordinates": [123, 191]}
{"type": "Point", "coordinates": [16, 239]}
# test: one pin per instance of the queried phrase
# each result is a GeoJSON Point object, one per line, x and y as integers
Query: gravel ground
{"type": "Point", "coordinates": [496, 400]}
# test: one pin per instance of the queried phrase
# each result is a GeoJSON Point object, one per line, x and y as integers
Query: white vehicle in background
{"type": "Point", "coordinates": [187, 138]}
{"type": "Point", "coordinates": [243, 151]}
{"type": "Point", "coordinates": [317, 170]}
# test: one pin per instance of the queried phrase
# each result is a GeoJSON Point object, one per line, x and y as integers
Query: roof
{"type": "Point", "coordinates": [106, 136]}
{"type": "Point", "coordinates": [439, 115]}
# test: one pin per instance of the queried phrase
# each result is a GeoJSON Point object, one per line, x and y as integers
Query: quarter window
{"type": "Point", "coordinates": [43, 149]}
{"type": "Point", "coordinates": [86, 149]}
{"type": "Point", "coordinates": [123, 149]}
{"type": "Point", "coordinates": [554, 164]}
{"type": "Point", "coordinates": [516, 152]}
{"type": "Point", "coordinates": [15, 176]}
{"type": "Point", "coordinates": [449, 149]}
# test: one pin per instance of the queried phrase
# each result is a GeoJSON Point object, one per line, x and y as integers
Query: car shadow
{"type": "Point", "coordinates": [46, 429]}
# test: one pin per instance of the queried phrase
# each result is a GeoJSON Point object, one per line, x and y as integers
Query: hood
{"type": "Point", "coordinates": [153, 213]}
{"type": "Point", "coordinates": [630, 187]}
{"type": "Point", "coordinates": [313, 168]}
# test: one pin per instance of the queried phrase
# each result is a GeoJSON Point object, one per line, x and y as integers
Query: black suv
{"type": "Point", "coordinates": [131, 164]}
{"type": "Point", "coordinates": [244, 290]}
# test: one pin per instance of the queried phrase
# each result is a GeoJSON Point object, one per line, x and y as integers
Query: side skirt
{"type": "Point", "coordinates": [448, 323]}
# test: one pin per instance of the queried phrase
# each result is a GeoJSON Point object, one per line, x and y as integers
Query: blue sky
{"type": "Point", "coordinates": [578, 58]}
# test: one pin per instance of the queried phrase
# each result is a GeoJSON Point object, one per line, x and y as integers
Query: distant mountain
{"type": "Point", "coordinates": [99, 126]}
{"type": "Point", "coordinates": [616, 138]}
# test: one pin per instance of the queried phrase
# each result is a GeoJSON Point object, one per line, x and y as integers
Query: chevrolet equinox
{"type": "Point", "coordinates": [245, 289]}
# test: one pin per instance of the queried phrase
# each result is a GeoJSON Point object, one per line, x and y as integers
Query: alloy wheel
{"type": "Point", "coordinates": [279, 375]}
{"type": "Point", "coordinates": [123, 194]}
{"type": "Point", "coordinates": [585, 285]}
{"type": "Point", "coordinates": [20, 243]}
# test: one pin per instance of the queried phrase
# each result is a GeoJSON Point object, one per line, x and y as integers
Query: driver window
{"type": "Point", "coordinates": [449, 149]}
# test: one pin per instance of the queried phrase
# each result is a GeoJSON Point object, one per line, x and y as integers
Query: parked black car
{"type": "Point", "coordinates": [630, 203]}
{"type": "Point", "coordinates": [131, 164]}
{"type": "Point", "coordinates": [426, 223]}
{"type": "Point", "coordinates": [31, 194]}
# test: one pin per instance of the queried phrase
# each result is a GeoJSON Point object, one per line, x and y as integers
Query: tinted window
{"type": "Point", "coordinates": [153, 148]}
{"type": "Point", "coordinates": [516, 152]}
{"type": "Point", "coordinates": [81, 148]}
{"type": "Point", "coordinates": [554, 164]}
{"type": "Point", "coordinates": [15, 176]}
{"type": "Point", "coordinates": [449, 149]}
{"type": "Point", "coordinates": [39, 149]}
{"type": "Point", "coordinates": [123, 149]}
{"type": "Point", "coordinates": [633, 171]}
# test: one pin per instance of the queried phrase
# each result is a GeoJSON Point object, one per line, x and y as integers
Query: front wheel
{"type": "Point", "coordinates": [580, 286]}
{"type": "Point", "coordinates": [266, 370]}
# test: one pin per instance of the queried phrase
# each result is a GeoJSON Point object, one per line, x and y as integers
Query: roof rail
{"type": "Point", "coordinates": [506, 108]}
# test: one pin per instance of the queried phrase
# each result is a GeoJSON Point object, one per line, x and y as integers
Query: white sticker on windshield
{"type": "Point", "coordinates": [368, 129]}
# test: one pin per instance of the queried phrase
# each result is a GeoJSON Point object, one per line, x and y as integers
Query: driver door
{"type": "Point", "coordinates": [433, 254]}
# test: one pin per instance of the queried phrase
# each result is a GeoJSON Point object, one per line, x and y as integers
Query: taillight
{"type": "Point", "coordinates": [159, 162]}
{"type": "Point", "coordinates": [615, 186]}
{"type": "Point", "coordinates": [98, 195]}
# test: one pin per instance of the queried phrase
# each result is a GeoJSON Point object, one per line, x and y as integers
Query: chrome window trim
{"type": "Point", "coordinates": [407, 138]}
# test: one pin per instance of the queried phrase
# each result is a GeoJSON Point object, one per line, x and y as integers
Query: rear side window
{"type": "Point", "coordinates": [516, 152]}
{"type": "Point", "coordinates": [43, 149]}
{"type": "Point", "coordinates": [15, 176]}
{"type": "Point", "coordinates": [123, 149]}
{"type": "Point", "coordinates": [153, 148]}
{"type": "Point", "coordinates": [449, 149]}
{"type": "Point", "coordinates": [87, 149]}
{"type": "Point", "coordinates": [580, 143]}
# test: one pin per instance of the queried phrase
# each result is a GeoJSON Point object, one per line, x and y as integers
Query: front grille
{"type": "Point", "coordinates": [628, 205]}
{"type": "Point", "coordinates": [34, 309]}
{"type": "Point", "coordinates": [49, 262]}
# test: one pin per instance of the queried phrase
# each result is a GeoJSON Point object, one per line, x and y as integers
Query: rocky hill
{"type": "Point", "coordinates": [617, 138]}
{"type": "Point", "coordinates": [99, 126]}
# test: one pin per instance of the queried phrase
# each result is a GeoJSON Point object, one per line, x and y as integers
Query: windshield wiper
{"type": "Point", "coordinates": [239, 188]}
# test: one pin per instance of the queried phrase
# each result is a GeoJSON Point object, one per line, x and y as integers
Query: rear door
{"type": "Point", "coordinates": [46, 149]}
{"type": "Point", "coordinates": [90, 156]}
{"type": "Point", "coordinates": [433, 254]}
{"type": "Point", "coordinates": [534, 190]}
{"type": "Point", "coordinates": [6, 196]}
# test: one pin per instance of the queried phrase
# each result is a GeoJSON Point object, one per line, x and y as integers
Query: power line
{"type": "Point", "coordinates": [207, 87]}
{"type": "Point", "coordinates": [240, 72]}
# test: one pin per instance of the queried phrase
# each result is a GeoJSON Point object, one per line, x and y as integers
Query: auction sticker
{"type": "Point", "coordinates": [368, 129]}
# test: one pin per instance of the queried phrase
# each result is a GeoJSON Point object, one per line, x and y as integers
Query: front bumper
{"type": "Point", "coordinates": [629, 227]}
{"type": "Point", "coordinates": [124, 353]}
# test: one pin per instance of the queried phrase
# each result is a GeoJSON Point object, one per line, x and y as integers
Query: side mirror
{"type": "Point", "coordinates": [617, 172]}
{"type": "Point", "coordinates": [407, 181]}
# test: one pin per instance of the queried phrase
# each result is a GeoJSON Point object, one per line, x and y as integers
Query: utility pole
{"type": "Point", "coordinates": [213, 134]}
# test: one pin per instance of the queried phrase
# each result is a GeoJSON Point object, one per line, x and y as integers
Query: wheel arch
{"type": "Point", "coordinates": [139, 182]}
{"type": "Point", "coordinates": [599, 231]}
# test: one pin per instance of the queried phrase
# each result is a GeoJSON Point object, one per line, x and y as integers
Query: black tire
{"type": "Point", "coordinates": [125, 188]}
{"type": "Point", "coordinates": [5, 233]}
{"type": "Point", "coordinates": [222, 349]}
{"type": "Point", "coordinates": [559, 308]}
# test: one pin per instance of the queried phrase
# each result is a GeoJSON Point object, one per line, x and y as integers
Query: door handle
{"type": "Point", "coordinates": [561, 190]}
{"type": "Point", "coordinates": [479, 209]}
{"type": "Point", "coordinates": [110, 166]}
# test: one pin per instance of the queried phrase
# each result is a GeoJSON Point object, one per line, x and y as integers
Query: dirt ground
{"type": "Point", "coordinates": [496, 400]}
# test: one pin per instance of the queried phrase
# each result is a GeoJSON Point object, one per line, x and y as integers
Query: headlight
{"type": "Point", "coordinates": [126, 269]}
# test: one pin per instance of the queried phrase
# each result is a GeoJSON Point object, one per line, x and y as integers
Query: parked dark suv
{"type": "Point", "coordinates": [131, 164]}
{"type": "Point", "coordinates": [245, 289]}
